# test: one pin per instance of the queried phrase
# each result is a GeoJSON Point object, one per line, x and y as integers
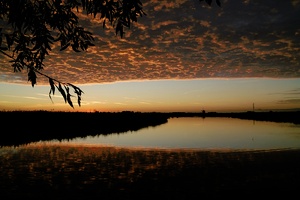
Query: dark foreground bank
{"type": "Point", "coordinates": [58, 172]}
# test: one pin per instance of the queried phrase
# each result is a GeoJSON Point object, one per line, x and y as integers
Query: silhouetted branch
{"type": "Point", "coordinates": [54, 83]}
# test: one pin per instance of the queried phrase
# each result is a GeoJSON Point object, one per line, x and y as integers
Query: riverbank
{"type": "Point", "coordinates": [87, 172]}
{"type": "Point", "coordinates": [23, 127]}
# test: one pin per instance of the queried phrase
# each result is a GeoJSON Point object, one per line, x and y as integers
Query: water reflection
{"type": "Point", "coordinates": [207, 133]}
{"type": "Point", "coordinates": [82, 170]}
{"type": "Point", "coordinates": [68, 172]}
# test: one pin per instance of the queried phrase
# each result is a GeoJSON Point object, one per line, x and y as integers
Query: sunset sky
{"type": "Point", "coordinates": [182, 56]}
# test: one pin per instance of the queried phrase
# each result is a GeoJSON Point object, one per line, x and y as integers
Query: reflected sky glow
{"type": "Point", "coordinates": [207, 133]}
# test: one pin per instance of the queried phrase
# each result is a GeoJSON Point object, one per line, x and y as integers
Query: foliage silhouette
{"type": "Point", "coordinates": [31, 27]}
{"type": "Point", "coordinates": [71, 125]}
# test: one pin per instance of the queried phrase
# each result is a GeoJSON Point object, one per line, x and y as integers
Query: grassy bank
{"type": "Point", "coordinates": [76, 172]}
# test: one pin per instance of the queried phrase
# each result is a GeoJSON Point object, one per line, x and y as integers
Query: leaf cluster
{"type": "Point", "coordinates": [29, 29]}
{"type": "Point", "coordinates": [118, 13]}
{"type": "Point", "coordinates": [65, 91]}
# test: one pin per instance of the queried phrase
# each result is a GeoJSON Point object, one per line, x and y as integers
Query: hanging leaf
{"type": "Point", "coordinates": [77, 90]}
{"type": "Point", "coordinates": [67, 89]}
{"type": "Point", "coordinates": [32, 77]}
{"type": "Point", "coordinates": [69, 100]}
{"type": "Point", "coordinates": [79, 100]}
{"type": "Point", "coordinates": [69, 96]}
{"type": "Point", "coordinates": [52, 86]}
{"type": "Point", "coordinates": [50, 96]}
{"type": "Point", "coordinates": [62, 92]}
{"type": "Point", "coordinates": [17, 67]}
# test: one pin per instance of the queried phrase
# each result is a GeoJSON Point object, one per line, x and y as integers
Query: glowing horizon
{"type": "Point", "coordinates": [211, 95]}
{"type": "Point", "coordinates": [177, 58]}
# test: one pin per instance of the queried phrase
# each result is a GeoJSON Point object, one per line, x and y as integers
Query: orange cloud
{"type": "Point", "coordinates": [183, 40]}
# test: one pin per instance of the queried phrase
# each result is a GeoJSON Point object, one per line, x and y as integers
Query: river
{"type": "Point", "coordinates": [200, 133]}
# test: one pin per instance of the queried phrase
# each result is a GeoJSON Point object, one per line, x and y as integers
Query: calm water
{"type": "Point", "coordinates": [207, 133]}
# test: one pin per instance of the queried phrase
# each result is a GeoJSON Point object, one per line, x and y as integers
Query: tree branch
{"type": "Point", "coordinates": [54, 83]}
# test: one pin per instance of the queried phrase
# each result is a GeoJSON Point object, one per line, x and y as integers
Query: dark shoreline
{"type": "Point", "coordinates": [23, 127]}
{"type": "Point", "coordinates": [272, 116]}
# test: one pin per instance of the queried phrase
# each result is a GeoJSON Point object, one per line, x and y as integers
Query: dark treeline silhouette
{"type": "Point", "coordinates": [23, 127]}
{"type": "Point", "coordinates": [272, 116]}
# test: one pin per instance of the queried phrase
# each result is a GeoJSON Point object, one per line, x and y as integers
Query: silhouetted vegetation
{"type": "Point", "coordinates": [282, 116]}
{"type": "Point", "coordinates": [23, 127]}
{"type": "Point", "coordinates": [287, 116]}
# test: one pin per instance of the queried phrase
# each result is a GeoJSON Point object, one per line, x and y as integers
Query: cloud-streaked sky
{"type": "Point", "coordinates": [185, 40]}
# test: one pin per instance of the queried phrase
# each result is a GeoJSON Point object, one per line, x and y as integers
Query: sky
{"type": "Point", "coordinates": [183, 56]}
